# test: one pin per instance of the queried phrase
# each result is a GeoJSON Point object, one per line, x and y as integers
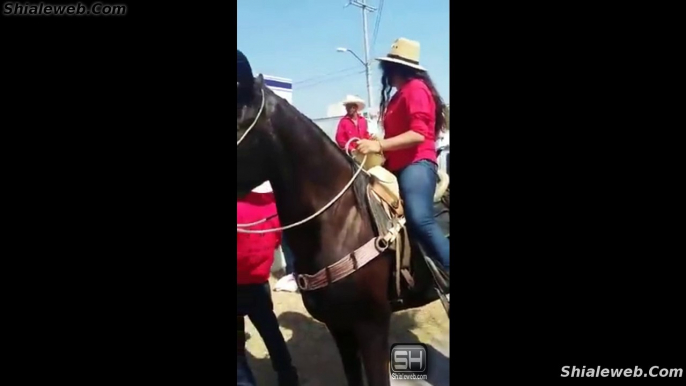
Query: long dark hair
{"type": "Point", "coordinates": [390, 70]}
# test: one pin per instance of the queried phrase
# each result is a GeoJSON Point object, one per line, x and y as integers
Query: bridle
{"type": "Point", "coordinates": [257, 118]}
{"type": "Point", "coordinates": [317, 213]}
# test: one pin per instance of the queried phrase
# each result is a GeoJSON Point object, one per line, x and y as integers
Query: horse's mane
{"type": "Point", "coordinates": [360, 184]}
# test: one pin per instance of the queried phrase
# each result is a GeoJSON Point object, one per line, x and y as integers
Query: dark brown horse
{"type": "Point", "coordinates": [306, 170]}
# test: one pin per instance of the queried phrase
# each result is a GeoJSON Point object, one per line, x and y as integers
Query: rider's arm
{"type": "Point", "coordinates": [418, 104]}
{"type": "Point", "coordinates": [402, 141]}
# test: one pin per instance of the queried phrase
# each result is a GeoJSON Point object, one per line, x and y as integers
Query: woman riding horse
{"type": "Point", "coordinates": [413, 120]}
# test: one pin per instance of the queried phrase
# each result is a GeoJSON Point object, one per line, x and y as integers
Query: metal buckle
{"type": "Point", "coordinates": [381, 244]}
{"type": "Point", "coordinates": [301, 280]}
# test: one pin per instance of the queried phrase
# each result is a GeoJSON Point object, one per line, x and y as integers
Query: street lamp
{"type": "Point", "coordinates": [367, 71]}
{"type": "Point", "coordinates": [341, 49]}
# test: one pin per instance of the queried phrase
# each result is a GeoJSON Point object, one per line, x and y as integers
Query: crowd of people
{"type": "Point", "coordinates": [413, 121]}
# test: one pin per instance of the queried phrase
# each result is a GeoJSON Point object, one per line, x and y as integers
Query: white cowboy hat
{"type": "Point", "coordinates": [352, 99]}
{"type": "Point", "coordinates": [266, 187]}
{"type": "Point", "coordinates": [405, 52]}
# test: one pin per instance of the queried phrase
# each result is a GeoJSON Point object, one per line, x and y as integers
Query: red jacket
{"type": "Point", "coordinates": [255, 252]}
{"type": "Point", "coordinates": [347, 130]}
{"type": "Point", "coordinates": [411, 108]}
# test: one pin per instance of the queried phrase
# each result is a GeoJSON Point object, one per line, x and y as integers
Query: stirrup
{"type": "Point", "coordinates": [443, 282]}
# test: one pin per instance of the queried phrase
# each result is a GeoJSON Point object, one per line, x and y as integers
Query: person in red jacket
{"type": "Point", "coordinates": [353, 124]}
{"type": "Point", "coordinates": [412, 120]}
{"type": "Point", "coordinates": [255, 256]}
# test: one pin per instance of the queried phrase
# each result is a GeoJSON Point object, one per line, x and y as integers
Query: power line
{"type": "Point", "coordinates": [330, 80]}
{"type": "Point", "coordinates": [362, 4]}
{"type": "Point", "coordinates": [377, 24]}
{"type": "Point", "coordinates": [320, 77]}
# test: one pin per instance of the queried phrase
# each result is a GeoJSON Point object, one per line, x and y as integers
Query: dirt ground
{"type": "Point", "coordinates": [314, 352]}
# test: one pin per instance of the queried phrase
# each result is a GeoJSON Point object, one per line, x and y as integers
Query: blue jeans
{"type": "Point", "coordinates": [287, 255]}
{"type": "Point", "coordinates": [417, 188]}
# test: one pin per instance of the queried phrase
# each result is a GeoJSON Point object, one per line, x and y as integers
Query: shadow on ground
{"type": "Point", "coordinates": [316, 357]}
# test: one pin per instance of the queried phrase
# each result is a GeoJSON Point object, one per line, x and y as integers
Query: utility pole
{"type": "Point", "coordinates": [362, 4]}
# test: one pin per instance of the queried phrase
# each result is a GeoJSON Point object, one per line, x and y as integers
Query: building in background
{"type": "Point", "coordinates": [335, 110]}
{"type": "Point", "coordinates": [281, 86]}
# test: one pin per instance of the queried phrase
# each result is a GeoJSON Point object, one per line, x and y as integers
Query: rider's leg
{"type": "Point", "coordinates": [417, 188]}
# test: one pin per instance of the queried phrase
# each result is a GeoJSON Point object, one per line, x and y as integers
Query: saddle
{"type": "Point", "coordinates": [389, 218]}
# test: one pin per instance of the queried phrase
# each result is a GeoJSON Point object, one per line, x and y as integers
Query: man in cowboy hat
{"type": "Point", "coordinates": [255, 256]}
{"type": "Point", "coordinates": [353, 124]}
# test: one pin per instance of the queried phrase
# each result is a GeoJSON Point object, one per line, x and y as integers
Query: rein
{"type": "Point", "coordinates": [313, 216]}
{"type": "Point", "coordinates": [257, 118]}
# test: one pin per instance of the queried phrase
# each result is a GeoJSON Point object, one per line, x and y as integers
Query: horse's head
{"type": "Point", "coordinates": [253, 130]}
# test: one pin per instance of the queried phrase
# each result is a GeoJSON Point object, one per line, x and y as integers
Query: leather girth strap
{"type": "Point", "coordinates": [392, 230]}
{"type": "Point", "coordinates": [402, 247]}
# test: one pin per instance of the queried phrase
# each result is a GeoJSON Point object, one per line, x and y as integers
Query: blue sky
{"type": "Point", "coordinates": [298, 40]}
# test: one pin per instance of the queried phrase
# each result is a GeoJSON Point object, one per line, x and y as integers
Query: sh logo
{"type": "Point", "coordinates": [408, 358]}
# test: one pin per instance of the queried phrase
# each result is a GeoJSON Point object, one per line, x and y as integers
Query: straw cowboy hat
{"type": "Point", "coordinates": [266, 187]}
{"type": "Point", "coordinates": [405, 52]}
{"type": "Point", "coordinates": [352, 99]}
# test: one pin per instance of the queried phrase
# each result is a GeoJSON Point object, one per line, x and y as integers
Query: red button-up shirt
{"type": "Point", "coordinates": [347, 130]}
{"type": "Point", "coordinates": [255, 252]}
{"type": "Point", "coordinates": [411, 108]}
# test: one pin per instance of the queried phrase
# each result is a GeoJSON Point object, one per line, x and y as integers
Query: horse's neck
{"type": "Point", "coordinates": [309, 170]}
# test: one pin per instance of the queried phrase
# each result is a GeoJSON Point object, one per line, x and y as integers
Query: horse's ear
{"type": "Point", "coordinates": [244, 78]}
{"type": "Point", "coordinates": [259, 82]}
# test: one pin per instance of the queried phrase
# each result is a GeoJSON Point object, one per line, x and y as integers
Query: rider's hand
{"type": "Point", "coordinates": [367, 146]}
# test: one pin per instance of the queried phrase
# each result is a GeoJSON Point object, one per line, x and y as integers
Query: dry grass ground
{"type": "Point", "coordinates": [315, 354]}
